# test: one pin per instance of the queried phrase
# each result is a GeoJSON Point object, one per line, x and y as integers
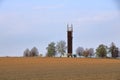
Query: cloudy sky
{"type": "Point", "coordinates": [28, 23]}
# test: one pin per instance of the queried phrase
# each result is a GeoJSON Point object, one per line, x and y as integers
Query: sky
{"type": "Point", "coordinates": [28, 23]}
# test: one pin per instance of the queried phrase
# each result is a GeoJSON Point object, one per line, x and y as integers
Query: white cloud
{"type": "Point", "coordinates": [97, 18]}
{"type": "Point", "coordinates": [16, 23]}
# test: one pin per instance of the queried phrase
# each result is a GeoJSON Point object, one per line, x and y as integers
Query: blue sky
{"type": "Point", "coordinates": [28, 23]}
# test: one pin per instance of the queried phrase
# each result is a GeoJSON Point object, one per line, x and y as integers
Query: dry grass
{"type": "Point", "coordinates": [59, 69]}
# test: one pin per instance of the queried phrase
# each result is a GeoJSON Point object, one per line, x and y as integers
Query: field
{"type": "Point", "coordinates": [59, 69]}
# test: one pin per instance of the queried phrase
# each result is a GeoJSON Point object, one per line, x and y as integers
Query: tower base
{"type": "Point", "coordinates": [69, 55]}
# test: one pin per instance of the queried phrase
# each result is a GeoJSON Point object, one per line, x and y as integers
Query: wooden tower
{"type": "Point", "coordinates": [69, 40]}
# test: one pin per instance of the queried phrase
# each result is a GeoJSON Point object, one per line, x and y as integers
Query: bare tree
{"type": "Point", "coordinates": [26, 53]}
{"type": "Point", "coordinates": [86, 52]}
{"type": "Point", "coordinates": [61, 47]}
{"type": "Point", "coordinates": [34, 52]}
{"type": "Point", "coordinates": [91, 52]}
{"type": "Point", "coordinates": [79, 51]}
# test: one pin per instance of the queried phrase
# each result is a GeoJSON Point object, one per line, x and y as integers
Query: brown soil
{"type": "Point", "coordinates": [59, 69]}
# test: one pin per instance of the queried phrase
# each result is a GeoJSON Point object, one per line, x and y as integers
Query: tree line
{"type": "Point", "coordinates": [52, 50]}
{"type": "Point", "coordinates": [101, 51]}
{"type": "Point", "coordinates": [60, 47]}
{"type": "Point", "coordinates": [31, 53]}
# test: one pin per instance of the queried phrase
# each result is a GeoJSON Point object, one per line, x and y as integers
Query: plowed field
{"type": "Point", "coordinates": [59, 69]}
